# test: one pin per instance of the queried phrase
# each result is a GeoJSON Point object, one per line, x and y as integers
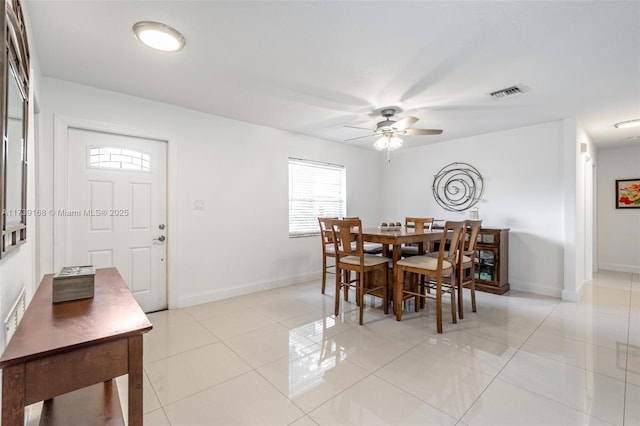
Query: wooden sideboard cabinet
{"type": "Point", "coordinates": [492, 260]}
{"type": "Point", "coordinates": [67, 354]}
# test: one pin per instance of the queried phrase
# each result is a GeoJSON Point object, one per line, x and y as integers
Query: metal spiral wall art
{"type": "Point", "coordinates": [457, 187]}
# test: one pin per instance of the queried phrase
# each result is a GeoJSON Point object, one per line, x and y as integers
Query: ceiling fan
{"type": "Point", "coordinates": [391, 129]}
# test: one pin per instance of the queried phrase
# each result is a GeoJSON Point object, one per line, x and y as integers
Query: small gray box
{"type": "Point", "coordinates": [73, 283]}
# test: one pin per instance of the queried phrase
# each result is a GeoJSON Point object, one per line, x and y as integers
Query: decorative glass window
{"type": "Point", "coordinates": [315, 190]}
{"type": "Point", "coordinates": [118, 158]}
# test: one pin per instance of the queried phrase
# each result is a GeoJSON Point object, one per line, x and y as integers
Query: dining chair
{"type": "Point", "coordinates": [326, 239]}
{"type": "Point", "coordinates": [419, 224]}
{"type": "Point", "coordinates": [467, 264]}
{"type": "Point", "coordinates": [328, 249]}
{"type": "Point", "coordinates": [350, 257]}
{"type": "Point", "coordinates": [435, 269]}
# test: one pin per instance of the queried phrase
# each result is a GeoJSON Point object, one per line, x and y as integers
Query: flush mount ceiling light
{"type": "Point", "coordinates": [159, 36]}
{"type": "Point", "coordinates": [628, 123]}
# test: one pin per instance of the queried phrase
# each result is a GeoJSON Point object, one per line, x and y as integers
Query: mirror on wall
{"type": "Point", "coordinates": [14, 111]}
{"type": "Point", "coordinates": [15, 154]}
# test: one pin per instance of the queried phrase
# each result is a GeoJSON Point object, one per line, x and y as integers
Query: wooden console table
{"type": "Point", "coordinates": [58, 348]}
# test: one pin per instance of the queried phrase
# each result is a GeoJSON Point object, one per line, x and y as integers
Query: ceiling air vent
{"type": "Point", "coordinates": [507, 93]}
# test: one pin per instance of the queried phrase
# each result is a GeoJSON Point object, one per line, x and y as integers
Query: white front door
{"type": "Point", "coordinates": [116, 209]}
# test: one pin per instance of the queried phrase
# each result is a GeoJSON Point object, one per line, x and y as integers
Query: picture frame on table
{"type": "Point", "coordinates": [628, 193]}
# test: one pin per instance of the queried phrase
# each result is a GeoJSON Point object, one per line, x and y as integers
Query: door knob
{"type": "Point", "coordinates": [161, 238]}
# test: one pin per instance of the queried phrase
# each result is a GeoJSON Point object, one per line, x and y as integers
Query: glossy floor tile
{"type": "Point", "coordinates": [503, 404]}
{"type": "Point", "coordinates": [588, 392]}
{"type": "Point", "coordinates": [373, 401]}
{"type": "Point", "coordinates": [315, 378]}
{"type": "Point", "coordinates": [244, 400]}
{"type": "Point", "coordinates": [280, 357]}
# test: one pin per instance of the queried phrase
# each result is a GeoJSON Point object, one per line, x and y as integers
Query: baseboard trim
{"type": "Point", "coordinates": [225, 293]}
{"type": "Point", "coordinates": [540, 289]}
{"type": "Point", "coordinates": [619, 268]}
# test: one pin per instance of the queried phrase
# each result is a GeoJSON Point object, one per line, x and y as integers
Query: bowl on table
{"type": "Point", "coordinates": [390, 226]}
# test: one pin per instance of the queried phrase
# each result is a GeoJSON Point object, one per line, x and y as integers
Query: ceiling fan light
{"type": "Point", "coordinates": [159, 36]}
{"type": "Point", "coordinates": [381, 144]}
{"type": "Point", "coordinates": [394, 143]}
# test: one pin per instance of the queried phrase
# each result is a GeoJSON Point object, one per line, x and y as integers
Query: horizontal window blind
{"type": "Point", "coordinates": [315, 190]}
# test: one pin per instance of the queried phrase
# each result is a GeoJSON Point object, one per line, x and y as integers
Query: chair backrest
{"type": "Point", "coordinates": [450, 242]}
{"type": "Point", "coordinates": [472, 228]}
{"type": "Point", "coordinates": [326, 233]}
{"type": "Point", "coordinates": [419, 223]}
{"type": "Point", "coordinates": [347, 237]}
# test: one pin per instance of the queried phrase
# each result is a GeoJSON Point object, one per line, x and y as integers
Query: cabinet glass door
{"type": "Point", "coordinates": [486, 265]}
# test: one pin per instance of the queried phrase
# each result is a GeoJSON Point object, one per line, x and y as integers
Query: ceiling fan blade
{"type": "Point", "coordinates": [361, 128]}
{"type": "Point", "coordinates": [359, 137]}
{"type": "Point", "coordinates": [415, 132]}
{"type": "Point", "coordinates": [404, 123]}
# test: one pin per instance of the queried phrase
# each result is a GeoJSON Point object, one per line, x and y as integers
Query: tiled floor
{"type": "Point", "coordinates": [280, 358]}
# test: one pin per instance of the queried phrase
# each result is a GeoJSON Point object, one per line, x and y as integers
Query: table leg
{"type": "Point", "coordinates": [13, 394]}
{"type": "Point", "coordinates": [135, 380]}
{"type": "Point", "coordinates": [397, 283]}
{"type": "Point", "coordinates": [397, 296]}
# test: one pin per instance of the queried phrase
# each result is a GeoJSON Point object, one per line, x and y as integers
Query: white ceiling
{"type": "Point", "coordinates": [314, 67]}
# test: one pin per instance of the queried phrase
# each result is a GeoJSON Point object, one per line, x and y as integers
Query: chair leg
{"type": "Point", "coordinates": [416, 287]}
{"type": "Point", "coordinates": [324, 273]}
{"type": "Point", "coordinates": [357, 286]}
{"type": "Point", "coordinates": [361, 296]}
{"type": "Point", "coordinates": [385, 294]}
{"type": "Point", "coordinates": [337, 293]}
{"type": "Point", "coordinates": [473, 296]}
{"type": "Point", "coordinates": [460, 286]}
{"type": "Point", "coordinates": [472, 287]}
{"type": "Point", "coordinates": [439, 305]}
{"type": "Point", "coordinates": [347, 278]}
{"type": "Point", "coordinates": [454, 282]}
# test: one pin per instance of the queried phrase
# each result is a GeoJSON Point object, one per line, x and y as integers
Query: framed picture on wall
{"type": "Point", "coordinates": [628, 194]}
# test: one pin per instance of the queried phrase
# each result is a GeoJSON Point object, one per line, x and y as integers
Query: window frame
{"type": "Point", "coordinates": [140, 161]}
{"type": "Point", "coordinates": [319, 203]}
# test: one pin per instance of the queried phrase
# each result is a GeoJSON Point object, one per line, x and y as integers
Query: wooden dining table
{"type": "Point", "coordinates": [395, 239]}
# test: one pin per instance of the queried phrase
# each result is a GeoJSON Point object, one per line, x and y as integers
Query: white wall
{"type": "Point", "coordinates": [523, 178]}
{"type": "Point", "coordinates": [618, 230]}
{"type": "Point", "coordinates": [581, 221]}
{"type": "Point", "coordinates": [239, 243]}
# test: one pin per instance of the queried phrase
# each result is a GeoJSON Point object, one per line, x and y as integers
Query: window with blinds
{"type": "Point", "coordinates": [315, 190]}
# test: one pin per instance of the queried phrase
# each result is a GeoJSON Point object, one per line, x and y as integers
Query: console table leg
{"type": "Point", "coordinates": [13, 386]}
{"type": "Point", "coordinates": [135, 381]}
